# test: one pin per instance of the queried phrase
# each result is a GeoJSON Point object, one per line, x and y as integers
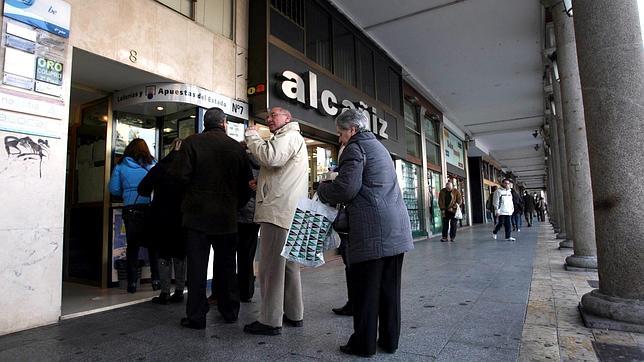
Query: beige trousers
{"type": "Point", "coordinates": [279, 280]}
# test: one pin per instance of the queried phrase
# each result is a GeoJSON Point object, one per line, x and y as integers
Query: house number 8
{"type": "Point", "coordinates": [133, 55]}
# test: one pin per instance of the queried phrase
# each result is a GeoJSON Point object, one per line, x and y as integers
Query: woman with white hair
{"type": "Point", "coordinates": [379, 234]}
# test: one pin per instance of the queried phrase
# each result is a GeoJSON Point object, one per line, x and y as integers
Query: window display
{"type": "Point", "coordinates": [409, 177]}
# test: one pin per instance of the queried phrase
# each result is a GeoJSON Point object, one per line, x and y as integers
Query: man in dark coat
{"type": "Point", "coordinates": [379, 234]}
{"type": "Point", "coordinates": [216, 172]}
{"type": "Point", "coordinates": [528, 207]}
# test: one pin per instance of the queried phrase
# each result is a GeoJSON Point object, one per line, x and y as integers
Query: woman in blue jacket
{"type": "Point", "coordinates": [128, 173]}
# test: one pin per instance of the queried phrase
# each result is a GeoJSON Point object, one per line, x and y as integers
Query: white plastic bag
{"type": "Point", "coordinates": [458, 214]}
{"type": "Point", "coordinates": [310, 228]}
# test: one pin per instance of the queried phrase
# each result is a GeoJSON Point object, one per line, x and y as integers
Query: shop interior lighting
{"type": "Point", "coordinates": [193, 116]}
{"type": "Point", "coordinates": [159, 108]}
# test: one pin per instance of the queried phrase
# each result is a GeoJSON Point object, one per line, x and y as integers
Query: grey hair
{"type": "Point", "coordinates": [352, 118]}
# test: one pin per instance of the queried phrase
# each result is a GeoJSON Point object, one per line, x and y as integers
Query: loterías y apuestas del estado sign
{"type": "Point", "coordinates": [294, 87]}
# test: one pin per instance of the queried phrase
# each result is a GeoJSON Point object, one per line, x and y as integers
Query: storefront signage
{"type": "Point", "coordinates": [454, 151]}
{"type": "Point", "coordinates": [31, 103]}
{"type": "Point", "coordinates": [180, 93]}
{"type": "Point", "coordinates": [50, 15]}
{"type": "Point", "coordinates": [49, 71]}
{"type": "Point", "coordinates": [29, 124]}
{"type": "Point", "coordinates": [294, 87]}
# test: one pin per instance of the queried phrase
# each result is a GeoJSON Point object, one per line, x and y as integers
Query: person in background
{"type": "Point", "coordinates": [128, 173]}
{"type": "Point", "coordinates": [528, 207]}
{"type": "Point", "coordinates": [541, 208]}
{"type": "Point", "coordinates": [168, 234]}
{"type": "Point", "coordinates": [503, 209]}
{"type": "Point", "coordinates": [489, 205]}
{"type": "Point", "coordinates": [282, 182]}
{"type": "Point", "coordinates": [517, 216]}
{"type": "Point", "coordinates": [247, 231]}
{"type": "Point", "coordinates": [448, 200]}
{"type": "Point", "coordinates": [215, 172]}
{"type": "Point", "coordinates": [379, 236]}
{"type": "Point", "coordinates": [347, 308]}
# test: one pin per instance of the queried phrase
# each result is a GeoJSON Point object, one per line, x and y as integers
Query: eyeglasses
{"type": "Point", "coordinates": [273, 115]}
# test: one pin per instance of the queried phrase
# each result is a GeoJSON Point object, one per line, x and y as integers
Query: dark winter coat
{"type": "Point", "coordinates": [378, 219]}
{"type": "Point", "coordinates": [168, 235]}
{"type": "Point", "coordinates": [215, 171]}
{"type": "Point", "coordinates": [517, 200]}
{"type": "Point", "coordinates": [528, 203]}
{"type": "Point", "coordinates": [247, 213]}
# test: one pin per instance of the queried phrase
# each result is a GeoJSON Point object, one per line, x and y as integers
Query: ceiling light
{"type": "Point", "coordinates": [193, 116]}
{"type": "Point", "coordinates": [159, 108]}
{"type": "Point", "coordinates": [167, 130]}
{"type": "Point", "coordinates": [104, 118]}
{"type": "Point", "coordinates": [309, 141]}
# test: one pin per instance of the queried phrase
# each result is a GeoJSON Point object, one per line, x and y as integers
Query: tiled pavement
{"type": "Point", "coordinates": [462, 301]}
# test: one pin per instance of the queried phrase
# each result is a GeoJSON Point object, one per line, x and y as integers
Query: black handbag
{"type": "Point", "coordinates": [341, 222]}
{"type": "Point", "coordinates": [137, 218]}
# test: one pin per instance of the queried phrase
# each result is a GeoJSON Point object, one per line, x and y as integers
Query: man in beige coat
{"type": "Point", "coordinates": [282, 182]}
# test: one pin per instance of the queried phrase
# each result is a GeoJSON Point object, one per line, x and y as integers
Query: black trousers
{"type": "Point", "coordinates": [449, 223]}
{"type": "Point", "coordinates": [344, 238]}
{"type": "Point", "coordinates": [529, 217]}
{"type": "Point", "coordinates": [226, 290]}
{"type": "Point", "coordinates": [505, 221]}
{"type": "Point", "coordinates": [246, 247]}
{"type": "Point", "coordinates": [375, 294]}
{"type": "Point", "coordinates": [134, 243]}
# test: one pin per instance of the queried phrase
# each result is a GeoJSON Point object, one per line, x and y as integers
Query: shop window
{"type": "Point", "coordinates": [287, 22]}
{"type": "Point", "coordinates": [344, 62]}
{"type": "Point", "coordinates": [318, 35]}
{"type": "Point", "coordinates": [432, 141]}
{"type": "Point", "coordinates": [382, 80]}
{"type": "Point", "coordinates": [435, 184]}
{"type": "Point", "coordinates": [433, 153]}
{"type": "Point", "coordinates": [411, 180]}
{"type": "Point", "coordinates": [395, 87]}
{"type": "Point", "coordinates": [412, 130]}
{"type": "Point", "coordinates": [365, 68]}
{"type": "Point", "coordinates": [181, 6]}
{"type": "Point", "coordinates": [217, 16]}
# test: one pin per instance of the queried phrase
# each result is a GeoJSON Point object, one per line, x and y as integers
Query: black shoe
{"type": "Point", "coordinates": [260, 328]}
{"type": "Point", "coordinates": [177, 296]}
{"type": "Point", "coordinates": [349, 350]}
{"type": "Point", "coordinates": [163, 298]}
{"type": "Point", "coordinates": [131, 288]}
{"type": "Point", "coordinates": [292, 323]}
{"type": "Point", "coordinates": [156, 285]}
{"type": "Point", "coordinates": [212, 300]}
{"type": "Point", "coordinates": [452, 240]}
{"type": "Point", "coordinates": [443, 240]}
{"type": "Point", "coordinates": [345, 310]}
{"type": "Point", "coordinates": [185, 322]}
{"type": "Point", "coordinates": [230, 320]}
{"type": "Point", "coordinates": [245, 300]}
{"type": "Point", "coordinates": [386, 349]}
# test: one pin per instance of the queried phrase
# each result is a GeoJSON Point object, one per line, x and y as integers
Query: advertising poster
{"type": "Point", "coordinates": [51, 15]}
{"type": "Point", "coordinates": [454, 151]}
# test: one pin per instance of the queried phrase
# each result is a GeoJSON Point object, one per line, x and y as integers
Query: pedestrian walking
{"type": "Point", "coordinates": [282, 182]}
{"type": "Point", "coordinates": [214, 170]}
{"type": "Point", "coordinates": [378, 236]}
{"type": "Point", "coordinates": [503, 209]}
{"type": "Point", "coordinates": [449, 199]}
{"type": "Point", "coordinates": [528, 208]}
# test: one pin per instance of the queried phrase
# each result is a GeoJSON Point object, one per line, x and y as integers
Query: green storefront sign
{"type": "Point", "coordinates": [49, 71]}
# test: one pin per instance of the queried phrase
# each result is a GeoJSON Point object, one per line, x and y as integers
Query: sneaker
{"type": "Point", "coordinates": [452, 240]}
{"type": "Point", "coordinates": [156, 285]}
{"type": "Point", "coordinates": [292, 323]}
{"type": "Point", "coordinates": [510, 239]}
{"type": "Point", "coordinates": [494, 236]}
{"type": "Point", "coordinates": [260, 328]}
{"type": "Point", "coordinates": [518, 230]}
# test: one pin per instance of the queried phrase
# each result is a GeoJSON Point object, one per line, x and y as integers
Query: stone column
{"type": "Point", "coordinates": [611, 66]}
{"type": "Point", "coordinates": [566, 210]}
{"type": "Point", "coordinates": [582, 218]}
{"type": "Point", "coordinates": [555, 198]}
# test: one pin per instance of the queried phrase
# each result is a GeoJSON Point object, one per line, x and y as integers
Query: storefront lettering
{"type": "Point", "coordinates": [294, 87]}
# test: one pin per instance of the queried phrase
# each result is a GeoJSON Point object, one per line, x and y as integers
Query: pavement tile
{"type": "Point", "coordinates": [458, 351]}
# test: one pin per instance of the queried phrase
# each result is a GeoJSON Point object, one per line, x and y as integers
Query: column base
{"type": "Point", "coordinates": [581, 263]}
{"type": "Point", "coordinates": [566, 244]}
{"type": "Point", "coordinates": [604, 312]}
